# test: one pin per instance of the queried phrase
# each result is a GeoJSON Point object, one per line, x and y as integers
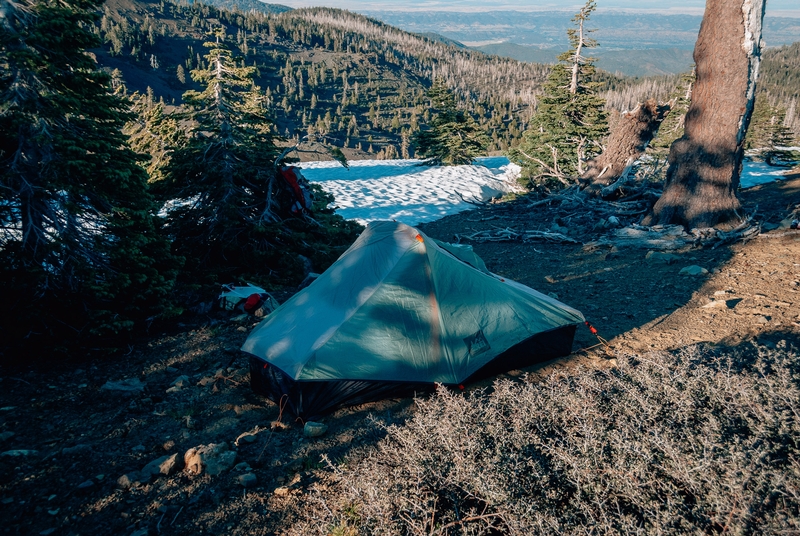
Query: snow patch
{"type": "Point", "coordinates": [405, 191]}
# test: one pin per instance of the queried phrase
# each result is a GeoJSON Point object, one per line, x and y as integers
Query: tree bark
{"type": "Point", "coordinates": [634, 130]}
{"type": "Point", "coordinates": [705, 164]}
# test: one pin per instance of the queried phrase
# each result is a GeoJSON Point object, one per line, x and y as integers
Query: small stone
{"type": "Point", "coordinates": [660, 256]}
{"type": "Point", "coordinates": [248, 480]}
{"type": "Point", "coordinates": [250, 438]}
{"type": "Point", "coordinates": [761, 319]}
{"type": "Point", "coordinates": [213, 459]}
{"type": "Point", "coordinates": [714, 304]}
{"type": "Point", "coordinates": [20, 453]}
{"type": "Point", "coordinates": [5, 436]}
{"type": "Point", "coordinates": [314, 429]}
{"type": "Point", "coordinates": [86, 485]}
{"type": "Point", "coordinates": [171, 369]}
{"type": "Point", "coordinates": [613, 221]}
{"type": "Point", "coordinates": [241, 318]}
{"type": "Point", "coordinates": [47, 532]}
{"type": "Point", "coordinates": [282, 491]}
{"type": "Point", "coordinates": [141, 532]}
{"type": "Point", "coordinates": [131, 385]}
{"type": "Point", "coordinates": [165, 465]}
{"type": "Point", "coordinates": [244, 466]}
{"type": "Point", "coordinates": [241, 328]}
{"type": "Point", "coordinates": [129, 480]}
{"type": "Point", "coordinates": [139, 448]}
{"type": "Point", "coordinates": [77, 449]}
{"type": "Point", "coordinates": [181, 382]}
{"type": "Point", "coordinates": [693, 270]}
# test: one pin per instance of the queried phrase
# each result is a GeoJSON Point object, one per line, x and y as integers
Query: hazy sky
{"type": "Point", "coordinates": [774, 7]}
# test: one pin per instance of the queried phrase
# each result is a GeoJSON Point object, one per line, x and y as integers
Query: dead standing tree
{"type": "Point", "coordinates": [627, 142]}
{"type": "Point", "coordinates": [705, 164]}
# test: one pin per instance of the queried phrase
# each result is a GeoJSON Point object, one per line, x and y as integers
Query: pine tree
{"type": "Point", "coordinates": [453, 137]}
{"type": "Point", "coordinates": [570, 120]}
{"type": "Point", "coordinates": [80, 249]}
{"type": "Point", "coordinates": [231, 214]}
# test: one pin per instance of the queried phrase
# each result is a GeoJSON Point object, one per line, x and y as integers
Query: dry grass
{"type": "Point", "coordinates": [701, 441]}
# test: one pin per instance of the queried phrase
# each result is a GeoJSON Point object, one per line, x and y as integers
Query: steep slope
{"type": "Point", "coordinates": [326, 71]}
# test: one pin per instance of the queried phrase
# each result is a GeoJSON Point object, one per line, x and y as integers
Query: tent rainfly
{"type": "Point", "coordinates": [396, 313]}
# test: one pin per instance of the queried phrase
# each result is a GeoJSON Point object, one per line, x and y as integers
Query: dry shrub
{"type": "Point", "coordinates": [700, 441]}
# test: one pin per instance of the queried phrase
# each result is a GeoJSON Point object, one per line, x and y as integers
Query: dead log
{"type": "Point", "coordinates": [627, 142]}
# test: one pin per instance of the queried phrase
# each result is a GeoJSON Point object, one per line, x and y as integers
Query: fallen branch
{"type": "Point", "coordinates": [513, 235]}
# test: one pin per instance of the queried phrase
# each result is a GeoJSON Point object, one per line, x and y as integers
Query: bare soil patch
{"type": "Point", "coordinates": [66, 440]}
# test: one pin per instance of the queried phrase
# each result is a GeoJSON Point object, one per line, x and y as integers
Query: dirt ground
{"type": "Point", "coordinates": [73, 451]}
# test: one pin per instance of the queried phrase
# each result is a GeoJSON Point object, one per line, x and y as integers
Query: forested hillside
{"type": "Point", "coordinates": [325, 71]}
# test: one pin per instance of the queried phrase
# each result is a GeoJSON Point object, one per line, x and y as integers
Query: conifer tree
{"type": "Point", "coordinates": [453, 137]}
{"type": "Point", "coordinates": [232, 217]}
{"type": "Point", "coordinates": [80, 249]}
{"type": "Point", "coordinates": [570, 120]}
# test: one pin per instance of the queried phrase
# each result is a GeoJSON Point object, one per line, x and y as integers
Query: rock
{"type": "Point", "coordinates": [181, 382]}
{"type": "Point", "coordinates": [761, 319]}
{"type": "Point", "coordinates": [282, 491]}
{"type": "Point", "coordinates": [141, 532]}
{"type": "Point", "coordinates": [660, 256]}
{"type": "Point", "coordinates": [139, 448]}
{"type": "Point", "coordinates": [129, 480]}
{"type": "Point", "coordinates": [20, 453]}
{"type": "Point", "coordinates": [77, 449]}
{"type": "Point", "coordinates": [693, 270]}
{"type": "Point", "coordinates": [314, 429]}
{"type": "Point", "coordinates": [86, 485]}
{"type": "Point", "coordinates": [715, 304]}
{"type": "Point", "coordinates": [241, 318]}
{"type": "Point", "coordinates": [244, 467]}
{"type": "Point", "coordinates": [248, 480]}
{"type": "Point", "coordinates": [165, 465]}
{"type": "Point", "coordinates": [5, 436]}
{"type": "Point", "coordinates": [213, 459]}
{"type": "Point", "coordinates": [131, 385]}
{"type": "Point", "coordinates": [249, 438]}
{"type": "Point", "coordinates": [613, 221]}
{"type": "Point", "coordinates": [47, 532]}
{"type": "Point", "coordinates": [171, 369]}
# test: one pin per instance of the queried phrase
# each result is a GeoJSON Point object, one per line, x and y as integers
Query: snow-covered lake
{"type": "Point", "coordinates": [403, 190]}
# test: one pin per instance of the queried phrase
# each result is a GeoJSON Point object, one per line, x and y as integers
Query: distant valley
{"type": "Point", "coordinates": [634, 44]}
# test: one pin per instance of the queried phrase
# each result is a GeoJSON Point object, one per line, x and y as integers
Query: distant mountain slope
{"type": "Point", "coordinates": [646, 62]}
{"type": "Point", "coordinates": [325, 71]}
{"type": "Point", "coordinates": [249, 5]}
{"type": "Point", "coordinates": [547, 29]}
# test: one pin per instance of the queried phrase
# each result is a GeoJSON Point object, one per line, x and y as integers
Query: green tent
{"type": "Point", "coordinates": [399, 311]}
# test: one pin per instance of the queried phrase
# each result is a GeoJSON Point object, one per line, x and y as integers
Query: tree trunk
{"type": "Point", "coordinates": [705, 164]}
{"type": "Point", "coordinates": [627, 142]}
